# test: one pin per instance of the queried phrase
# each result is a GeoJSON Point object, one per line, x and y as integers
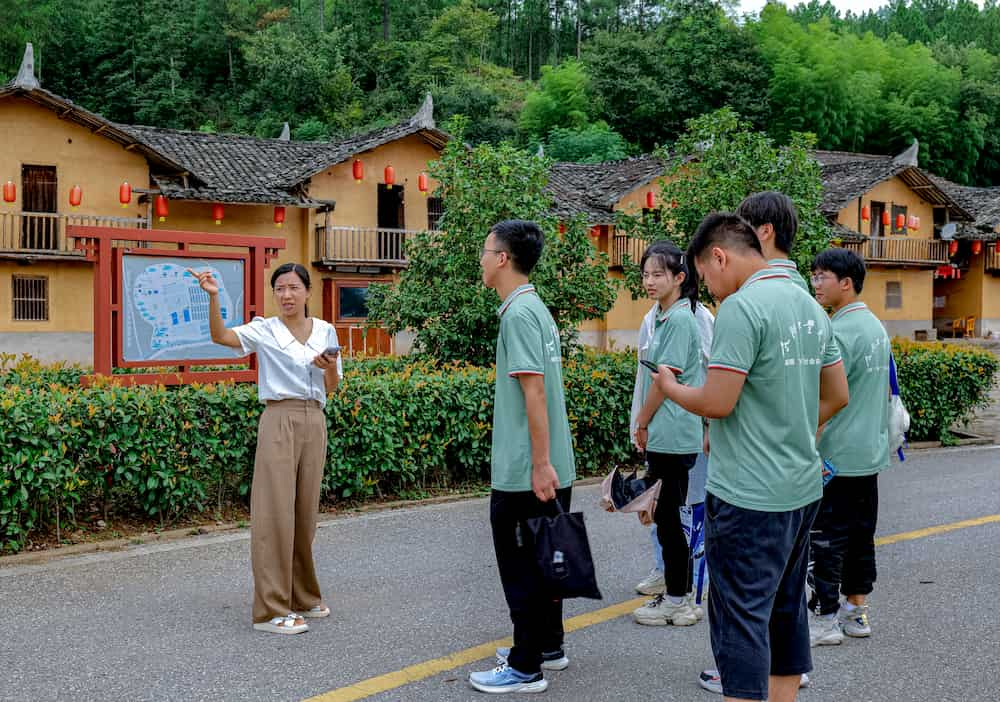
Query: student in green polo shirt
{"type": "Point", "coordinates": [532, 457]}
{"type": "Point", "coordinates": [856, 442]}
{"type": "Point", "coordinates": [773, 217]}
{"type": "Point", "coordinates": [774, 376]}
{"type": "Point", "coordinates": [671, 436]}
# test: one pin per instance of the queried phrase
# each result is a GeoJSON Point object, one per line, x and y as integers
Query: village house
{"type": "Point", "coordinates": [345, 208]}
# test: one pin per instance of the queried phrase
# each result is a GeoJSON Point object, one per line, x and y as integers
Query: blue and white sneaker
{"type": "Point", "coordinates": [556, 660]}
{"type": "Point", "coordinates": [503, 678]}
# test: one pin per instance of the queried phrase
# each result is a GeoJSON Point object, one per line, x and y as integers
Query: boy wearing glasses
{"type": "Point", "coordinates": [856, 442]}
{"type": "Point", "coordinates": [532, 457]}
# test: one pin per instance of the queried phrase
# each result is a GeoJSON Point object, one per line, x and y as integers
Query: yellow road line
{"type": "Point", "coordinates": [427, 669]}
{"type": "Point", "coordinates": [941, 529]}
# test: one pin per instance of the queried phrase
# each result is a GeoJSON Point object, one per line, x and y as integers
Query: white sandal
{"type": "Point", "coordinates": [287, 624]}
{"type": "Point", "coordinates": [318, 612]}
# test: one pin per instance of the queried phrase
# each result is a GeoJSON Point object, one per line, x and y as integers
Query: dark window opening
{"type": "Point", "coordinates": [352, 302]}
{"type": "Point", "coordinates": [391, 215]}
{"type": "Point", "coordinates": [435, 210]}
{"type": "Point", "coordinates": [40, 193]}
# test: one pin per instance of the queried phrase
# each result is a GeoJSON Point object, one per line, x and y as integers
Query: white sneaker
{"type": "Point", "coordinates": [710, 680]}
{"type": "Point", "coordinates": [824, 630]}
{"type": "Point", "coordinates": [652, 584]}
{"type": "Point", "coordinates": [660, 611]}
{"type": "Point", "coordinates": [699, 611]}
{"type": "Point", "coordinates": [855, 622]}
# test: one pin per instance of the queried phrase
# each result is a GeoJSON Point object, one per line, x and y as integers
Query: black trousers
{"type": "Point", "coordinates": [843, 541]}
{"type": "Point", "coordinates": [537, 619]}
{"type": "Point", "coordinates": [672, 471]}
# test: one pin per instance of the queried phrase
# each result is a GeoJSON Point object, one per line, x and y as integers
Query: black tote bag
{"type": "Point", "coordinates": [563, 554]}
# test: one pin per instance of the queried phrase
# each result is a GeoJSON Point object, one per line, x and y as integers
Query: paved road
{"type": "Point", "coordinates": [171, 622]}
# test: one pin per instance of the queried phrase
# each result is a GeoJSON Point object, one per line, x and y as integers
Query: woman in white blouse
{"type": "Point", "coordinates": [299, 364]}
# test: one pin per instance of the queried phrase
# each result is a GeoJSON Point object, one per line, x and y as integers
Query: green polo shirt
{"type": "Point", "coordinates": [786, 265]}
{"type": "Point", "coordinates": [528, 344]}
{"type": "Point", "coordinates": [856, 440]}
{"type": "Point", "coordinates": [764, 454]}
{"type": "Point", "coordinates": [676, 344]}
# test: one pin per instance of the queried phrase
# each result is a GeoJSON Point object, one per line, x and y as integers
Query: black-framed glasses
{"type": "Point", "coordinates": [483, 251]}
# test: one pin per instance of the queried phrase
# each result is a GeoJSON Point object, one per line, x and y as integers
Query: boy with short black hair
{"type": "Point", "coordinates": [772, 215]}
{"type": "Point", "coordinates": [856, 443]}
{"type": "Point", "coordinates": [775, 374]}
{"type": "Point", "coordinates": [532, 456]}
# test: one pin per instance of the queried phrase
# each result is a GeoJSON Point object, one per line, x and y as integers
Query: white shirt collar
{"type": "Point", "coordinates": [285, 338]}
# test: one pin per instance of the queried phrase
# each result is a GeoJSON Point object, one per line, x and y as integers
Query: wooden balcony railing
{"type": "Point", "coordinates": [623, 245]}
{"type": "Point", "coordinates": [44, 234]}
{"type": "Point", "coordinates": [362, 245]}
{"type": "Point", "coordinates": [901, 250]}
{"type": "Point", "coordinates": [993, 258]}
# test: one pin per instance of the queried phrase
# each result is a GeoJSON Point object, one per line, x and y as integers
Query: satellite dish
{"type": "Point", "coordinates": [948, 231]}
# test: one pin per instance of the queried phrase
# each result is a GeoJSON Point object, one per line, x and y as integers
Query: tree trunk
{"type": "Point", "coordinates": [579, 29]}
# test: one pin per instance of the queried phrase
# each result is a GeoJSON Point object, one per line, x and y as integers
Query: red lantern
{"type": "Point", "coordinates": [942, 272]}
{"type": "Point", "coordinates": [953, 247]}
{"type": "Point", "coordinates": [218, 213]}
{"type": "Point", "coordinates": [422, 183]}
{"type": "Point", "coordinates": [390, 177]}
{"type": "Point", "coordinates": [918, 222]}
{"type": "Point", "coordinates": [900, 222]}
{"type": "Point", "coordinates": [958, 273]}
{"type": "Point", "coordinates": [9, 191]}
{"type": "Point", "coordinates": [279, 216]}
{"type": "Point", "coordinates": [977, 248]}
{"type": "Point", "coordinates": [75, 196]}
{"type": "Point", "coordinates": [885, 218]}
{"type": "Point", "coordinates": [161, 208]}
{"type": "Point", "coordinates": [865, 213]}
{"type": "Point", "coordinates": [650, 200]}
{"type": "Point", "coordinates": [125, 194]}
{"type": "Point", "coordinates": [911, 223]}
{"type": "Point", "coordinates": [359, 170]}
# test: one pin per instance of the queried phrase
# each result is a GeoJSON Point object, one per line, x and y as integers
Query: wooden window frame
{"type": "Point", "coordinates": [337, 285]}
{"type": "Point", "coordinates": [27, 301]}
{"type": "Point", "coordinates": [899, 285]}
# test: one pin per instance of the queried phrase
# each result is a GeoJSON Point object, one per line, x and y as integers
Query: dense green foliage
{"type": "Point", "coordinates": [589, 79]}
{"type": "Point", "coordinates": [168, 453]}
{"type": "Point", "coordinates": [440, 296]}
{"type": "Point", "coordinates": [730, 161]}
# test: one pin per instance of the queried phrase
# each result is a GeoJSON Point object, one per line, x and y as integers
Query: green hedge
{"type": "Point", "coordinates": [942, 384]}
{"type": "Point", "coordinates": [395, 425]}
{"type": "Point", "coordinates": [173, 452]}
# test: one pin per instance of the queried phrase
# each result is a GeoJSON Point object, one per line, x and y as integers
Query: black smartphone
{"type": "Point", "coordinates": [332, 351]}
{"type": "Point", "coordinates": [653, 368]}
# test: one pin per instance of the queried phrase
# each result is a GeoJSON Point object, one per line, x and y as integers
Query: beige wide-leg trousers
{"type": "Point", "coordinates": [284, 505]}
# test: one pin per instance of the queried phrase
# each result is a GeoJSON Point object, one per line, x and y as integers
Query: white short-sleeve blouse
{"type": "Point", "coordinates": [286, 366]}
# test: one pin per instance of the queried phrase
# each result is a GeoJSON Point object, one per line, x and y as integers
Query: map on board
{"type": "Point", "coordinates": [165, 311]}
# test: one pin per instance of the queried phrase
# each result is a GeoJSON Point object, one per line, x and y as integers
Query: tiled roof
{"type": "Point", "coordinates": [242, 169]}
{"type": "Point", "coordinates": [230, 168]}
{"type": "Point", "coordinates": [844, 180]}
{"type": "Point", "coordinates": [592, 190]}
{"type": "Point", "coordinates": [982, 203]}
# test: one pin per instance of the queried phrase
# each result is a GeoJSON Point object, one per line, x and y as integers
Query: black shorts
{"type": "Point", "coordinates": [757, 607]}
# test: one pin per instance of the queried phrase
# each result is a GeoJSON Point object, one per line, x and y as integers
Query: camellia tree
{"type": "Point", "coordinates": [440, 296]}
{"type": "Point", "coordinates": [718, 162]}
